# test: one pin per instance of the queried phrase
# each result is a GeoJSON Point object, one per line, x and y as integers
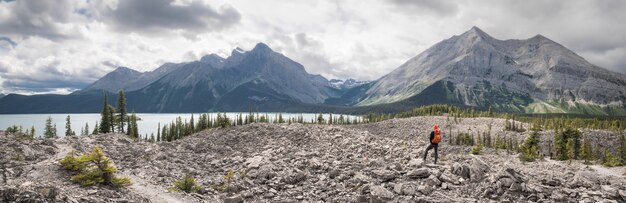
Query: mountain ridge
{"type": "Point", "coordinates": [538, 67]}
{"type": "Point", "coordinates": [472, 70]}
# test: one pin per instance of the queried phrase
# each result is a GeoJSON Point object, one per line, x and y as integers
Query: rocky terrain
{"type": "Point", "coordinates": [377, 162]}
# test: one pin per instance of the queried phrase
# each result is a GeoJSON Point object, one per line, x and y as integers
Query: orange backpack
{"type": "Point", "coordinates": [437, 137]}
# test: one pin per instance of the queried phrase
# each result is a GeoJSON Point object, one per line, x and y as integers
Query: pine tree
{"type": "Point", "coordinates": [610, 160]}
{"type": "Point", "coordinates": [586, 153]}
{"type": "Point", "coordinates": [49, 130]}
{"type": "Point", "coordinates": [574, 135]}
{"type": "Point", "coordinates": [68, 127]}
{"type": "Point", "coordinates": [32, 132]}
{"type": "Point", "coordinates": [112, 117]}
{"type": "Point", "coordinates": [280, 118]}
{"type": "Point", "coordinates": [86, 128]}
{"type": "Point", "coordinates": [129, 126]}
{"type": "Point", "coordinates": [135, 127]}
{"type": "Point", "coordinates": [135, 132]}
{"type": "Point", "coordinates": [569, 149]}
{"type": "Point", "coordinates": [164, 134]}
{"type": "Point", "coordinates": [320, 119]}
{"type": "Point", "coordinates": [158, 138]}
{"type": "Point", "coordinates": [96, 129]}
{"type": "Point", "coordinates": [191, 125]}
{"type": "Point", "coordinates": [93, 169]}
{"type": "Point", "coordinates": [530, 146]}
{"type": "Point", "coordinates": [105, 121]}
{"type": "Point", "coordinates": [121, 109]}
{"type": "Point", "coordinates": [560, 145]}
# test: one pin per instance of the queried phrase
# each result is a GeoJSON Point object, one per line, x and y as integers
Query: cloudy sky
{"type": "Point", "coordinates": [58, 46]}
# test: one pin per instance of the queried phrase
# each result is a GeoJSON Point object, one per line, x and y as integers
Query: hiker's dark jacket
{"type": "Point", "coordinates": [432, 136]}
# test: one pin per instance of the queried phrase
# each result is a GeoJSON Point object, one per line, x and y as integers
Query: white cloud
{"type": "Point", "coordinates": [68, 44]}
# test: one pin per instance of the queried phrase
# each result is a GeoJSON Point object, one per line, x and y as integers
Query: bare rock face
{"type": "Point", "coordinates": [474, 66]}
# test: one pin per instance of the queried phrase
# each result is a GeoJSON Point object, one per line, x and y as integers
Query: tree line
{"type": "Point", "coordinates": [180, 128]}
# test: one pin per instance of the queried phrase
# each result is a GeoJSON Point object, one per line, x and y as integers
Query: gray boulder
{"type": "Point", "coordinates": [583, 179]}
{"type": "Point", "coordinates": [416, 163]}
{"type": "Point", "coordinates": [384, 175]}
{"type": "Point", "coordinates": [432, 181]}
{"type": "Point", "coordinates": [381, 192]}
{"type": "Point", "coordinates": [449, 178]}
{"type": "Point", "coordinates": [478, 169]}
{"type": "Point", "coordinates": [418, 173]}
{"type": "Point", "coordinates": [425, 189]}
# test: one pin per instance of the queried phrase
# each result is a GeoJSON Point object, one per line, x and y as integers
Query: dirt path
{"type": "Point", "coordinates": [154, 193]}
{"type": "Point", "coordinates": [43, 169]}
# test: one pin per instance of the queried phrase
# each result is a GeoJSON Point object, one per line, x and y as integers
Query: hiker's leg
{"type": "Point", "coordinates": [436, 153]}
{"type": "Point", "coordinates": [426, 151]}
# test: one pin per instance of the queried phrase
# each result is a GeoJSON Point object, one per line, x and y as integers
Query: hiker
{"type": "Point", "coordinates": [435, 137]}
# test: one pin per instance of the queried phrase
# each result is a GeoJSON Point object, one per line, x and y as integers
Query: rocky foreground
{"type": "Point", "coordinates": [377, 162]}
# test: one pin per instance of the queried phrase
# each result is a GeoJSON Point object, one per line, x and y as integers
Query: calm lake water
{"type": "Point", "coordinates": [148, 124]}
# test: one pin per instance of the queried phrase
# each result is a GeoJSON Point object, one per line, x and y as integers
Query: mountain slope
{"type": "Point", "coordinates": [216, 84]}
{"type": "Point", "coordinates": [128, 79]}
{"type": "Point", "coordinates": [482, 69]}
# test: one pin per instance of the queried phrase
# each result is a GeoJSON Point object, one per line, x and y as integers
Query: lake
{"type": "Point", "coordinates": [148, 124]}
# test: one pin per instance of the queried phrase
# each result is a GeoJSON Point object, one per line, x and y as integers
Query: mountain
{"type": "Point", "coordinates": [128, 79]}
{"type": "Point", "coordinates": [2, 95]}
{"type": "Point", "coordinates": [259, 78]}
{"type": "Point", "coordinates": [535, 75]}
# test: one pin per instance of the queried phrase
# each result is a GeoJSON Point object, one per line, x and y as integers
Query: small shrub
{"type": "Point", "coordinates": [187, 184]}
{"type": "Point", "coordinates": [70, 163]}
{"type": "Point", "coordinates": [12, 129]}
{"type": "Point", "coordinates": [229, 176]}
{"type": "Point", "coordinates": [529, 149]}
{"type": "Point", "coordinates": [610, 160]}
{"type": "Point", "coordinates": [529, 154]}
{"type": "Point", "coordinates": [477, 150]}
{"type": "Point", "coordinates": [93, 169]}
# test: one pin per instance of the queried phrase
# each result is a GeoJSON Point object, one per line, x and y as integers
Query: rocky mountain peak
{"type": "Point", "coordinates": [125, 70]}
{"type": "Point", "coordinates": [213, 60]}
{"type": "Point", "coordinates": [476, 32]}
{"type": "Point", "coordinates": [211, 57]}
{"type": "Point", "coordinates": [261, 48]}
{"type": "Point", "coordinates": [237, 51]}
